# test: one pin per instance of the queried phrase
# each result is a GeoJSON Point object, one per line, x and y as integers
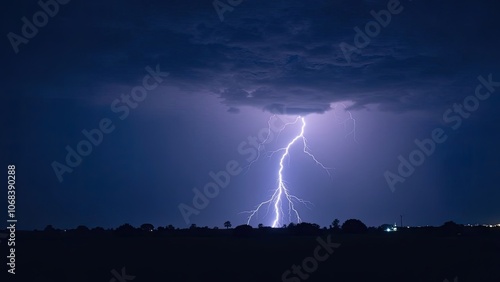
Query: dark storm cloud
{"type": "Point", "coordinates": [281, 55]}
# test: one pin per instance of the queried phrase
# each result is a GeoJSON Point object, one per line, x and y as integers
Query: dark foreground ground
{"type": "Point", "coordinates": [364, 257]}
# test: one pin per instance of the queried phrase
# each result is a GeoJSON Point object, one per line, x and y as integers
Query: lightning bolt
{"type": "Point", "coordinates": [261, 144]}
{"type": "Point", "coordinates": [345, 121]}
{"type": "Point", "coordinates": [281, 193]}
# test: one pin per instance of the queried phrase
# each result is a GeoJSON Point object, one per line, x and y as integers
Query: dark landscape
{"type": "Point", "coordinates": [259, 254]}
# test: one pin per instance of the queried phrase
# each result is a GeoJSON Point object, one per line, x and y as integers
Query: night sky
{"type": "Point", "coordinates": [205, 81]}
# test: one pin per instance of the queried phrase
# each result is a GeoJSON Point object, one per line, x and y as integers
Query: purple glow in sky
{"type": "Point", "coordinates": [282, 195]}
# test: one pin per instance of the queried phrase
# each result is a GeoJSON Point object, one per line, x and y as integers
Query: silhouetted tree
{"type": "Point", "coordinates": [227, 224]}
{"type": "Point", "coordinates": [82, 229]}
{"type": "Point", "coordinates": [244, 230]}
{"type": "Point", "coordinates": [450, 228]}
{"type": "Point", "coordinates": [335, 225]}
{"type": "Point", "coordinates": [354, 226]}
{"type": "Point", "coordinates": [125, 230]}
{"type": "Point", "coordinates": [215, 227]}
{"type": "Point", "coordinates": [304, 228]}
{"type": "Point", "coordinates": [49, 228]}
{"type": "Point", "coordinates": [170, 227]}
{"type": "Point", "coordinates": [260, 225]}
{"type": "Point", "coordinates": [193, 226]}
{"type": "Point", "coordinates": [98, 229]}
{"type": "Point", "coordinates": [147, 227]}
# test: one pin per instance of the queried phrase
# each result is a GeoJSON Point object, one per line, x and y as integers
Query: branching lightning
{"type": "Point", "coordinates": [281, 194]}
{"type": "Point", "coordinates": [346, 121]}
{"type": "Point", "coordinates": [261, 144]}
